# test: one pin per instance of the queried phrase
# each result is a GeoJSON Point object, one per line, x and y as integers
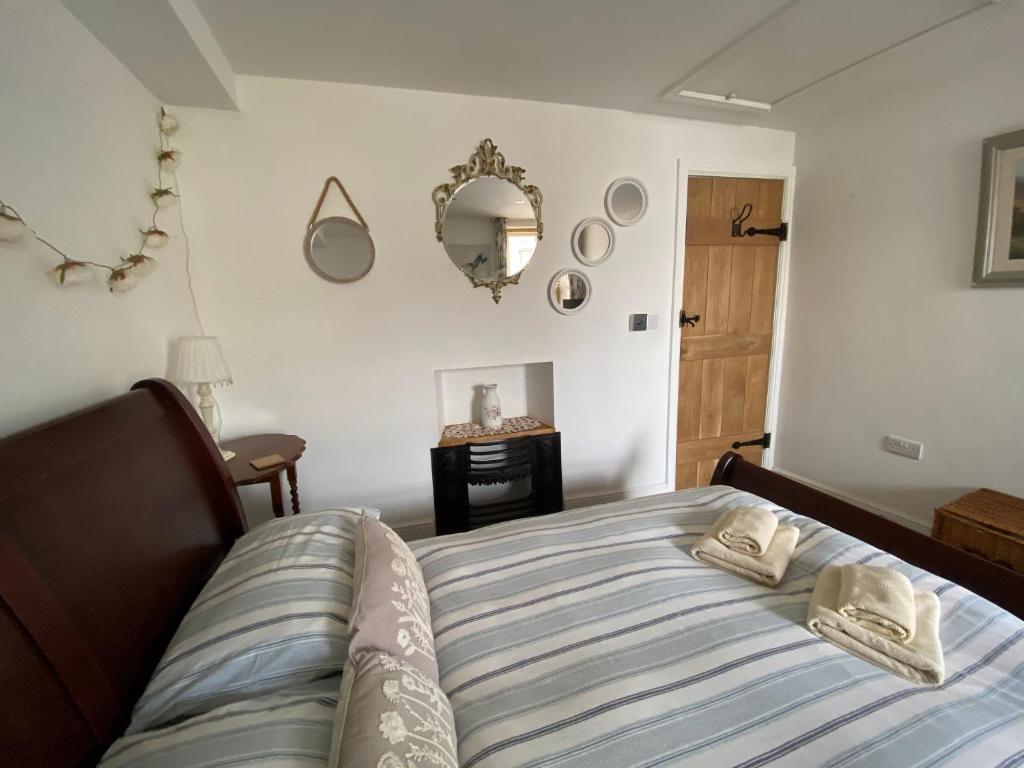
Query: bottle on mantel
{"type": "Point", "coordinates": [490, 415]}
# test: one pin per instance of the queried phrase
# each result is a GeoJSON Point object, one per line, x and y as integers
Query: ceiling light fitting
{"type": "Point", "coordinates": [729, 101]}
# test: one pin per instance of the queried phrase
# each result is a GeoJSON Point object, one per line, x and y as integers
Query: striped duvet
{"type": "Point", "coordinates": [591, 638]}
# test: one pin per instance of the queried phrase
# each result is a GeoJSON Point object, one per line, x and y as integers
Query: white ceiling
{"type": "Point", "coordinates": [627, 54]}
{"type": "Point", "coordinates": [182, 63]}
{"type": "Point", "coordinates": [592, 52]}
{"type": "Point", "coordinates": [814, 39]}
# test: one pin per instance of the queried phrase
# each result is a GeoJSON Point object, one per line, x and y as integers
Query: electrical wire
{"type": "Point", "coordinates": [188, 255]}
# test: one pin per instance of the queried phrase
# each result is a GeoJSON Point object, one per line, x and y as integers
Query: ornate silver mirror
{"type": "Point", "coordinates": [593, 241]}
{"type": "Point", "coordinates": [570, 291]}
{"type": "Point", "coordinates": [489, 219]}
{"type": "Point", "coordinates": [626, 201]}
{"type": "Point", "coordinates": [338, 249]}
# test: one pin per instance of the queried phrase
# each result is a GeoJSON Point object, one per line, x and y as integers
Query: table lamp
{"type": "Point", "coordinates": [199, 360]}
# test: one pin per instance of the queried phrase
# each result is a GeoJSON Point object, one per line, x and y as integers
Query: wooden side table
{"type": "Point", "coordinates": [289, 447]}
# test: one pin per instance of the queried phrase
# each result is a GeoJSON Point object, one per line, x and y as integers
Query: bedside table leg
{"type": "Point", "coordinates": [275, 495]}
{"type": "Point", "coordinates": [293, 483]}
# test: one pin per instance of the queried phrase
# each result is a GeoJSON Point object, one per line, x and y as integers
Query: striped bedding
{"type": "Point", "coordinates": [591, 638]}
{"type": "Point", "coordinates": [287, 729]}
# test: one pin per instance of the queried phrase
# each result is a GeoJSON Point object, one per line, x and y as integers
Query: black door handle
{"type": "Point", "coordinates": [690, 321]}
{"type": "Point", "coordinates": [765, 441]}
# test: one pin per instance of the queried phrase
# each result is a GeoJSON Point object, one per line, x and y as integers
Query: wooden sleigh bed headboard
{"type": "Point", "coordinates": [1000, 585]}
{"type": "Point", "coordinates": [111, 521]}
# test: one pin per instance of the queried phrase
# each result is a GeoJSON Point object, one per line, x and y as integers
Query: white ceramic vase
{"type": "Point", "coordinates": [490, 415]}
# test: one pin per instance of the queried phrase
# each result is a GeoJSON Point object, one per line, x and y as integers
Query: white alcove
{"type": "Point", "coordinates": [525, 389]}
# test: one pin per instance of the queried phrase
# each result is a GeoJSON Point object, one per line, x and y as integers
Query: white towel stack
{"type": "Point", "coordinates": [748, 541]}
{"type": "Point", "coordinates": [875, 614]}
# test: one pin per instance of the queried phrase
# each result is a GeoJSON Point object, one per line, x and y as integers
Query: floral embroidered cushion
{"type": "Point", "coordinates": [391, 715]}
{"type": "Point", "coordinates": [390, 610]}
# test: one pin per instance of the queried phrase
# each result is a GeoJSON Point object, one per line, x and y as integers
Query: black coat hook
{"type": "Point", "coordinates": [781, 231]}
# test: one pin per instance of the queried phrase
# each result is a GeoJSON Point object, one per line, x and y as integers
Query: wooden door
{"type": "Point", "coordinates": [723, 358]}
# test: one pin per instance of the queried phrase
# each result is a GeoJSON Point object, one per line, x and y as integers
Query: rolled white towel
{"type": "Point", "coordinates": [879, 599]}
{"type": "Point", "coordinates": [918, 660]}
{"type": "Point", "coordinates": [746, 529]}
{"type": "Point", "coordinates": [768, 569]}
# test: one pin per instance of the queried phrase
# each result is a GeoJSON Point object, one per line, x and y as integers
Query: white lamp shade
{"type": "Point", "coordinates": [198, 360]}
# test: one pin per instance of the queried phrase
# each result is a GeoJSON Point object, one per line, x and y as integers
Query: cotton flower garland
{"type": "Point", "coordinates": [140, 264]}
{"type": "Point", "coordinates": [169, 160]}
{"type": "Point", "coordinates": [12, 226]}
{"type": "Point", "coordinates": [164, 198]}
{"type": "Point", "coordinates": [72, 273]}
{"type": "Point", "coordinates": [134, 267]}
{"type": "Point", "coordinates": [168, 124]}
{"type": "Point", "coordinates": [122, 279]}
{"type": "Point", "coordinates": [154, 237]}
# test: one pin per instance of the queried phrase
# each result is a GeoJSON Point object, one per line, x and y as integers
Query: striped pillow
{"type": "Point", "coordinates": [284, 729]}
{"type": "Point", "coordinates": [274, 614]}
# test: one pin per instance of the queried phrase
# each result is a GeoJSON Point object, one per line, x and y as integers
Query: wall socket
{"type": "Point", "coordinates": [901, 446]}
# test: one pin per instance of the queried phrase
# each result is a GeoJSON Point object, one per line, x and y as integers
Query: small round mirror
{"type": "Point", "coordinates": [339, 249]}
{"type": "Point", "coordinates": [569, 292]}
{"type": "Point", "coordinates": [490, 229]}
{"type": "Point", "coordinates": [593, 241]}
{"type": "Point", "coordinates": [626, 201]}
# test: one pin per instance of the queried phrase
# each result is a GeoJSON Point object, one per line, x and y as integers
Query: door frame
{"type": "Point", "coordinates": [683, 173]}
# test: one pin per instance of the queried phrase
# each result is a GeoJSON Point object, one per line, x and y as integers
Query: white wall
{"type": "Point", "coordinates": [351, 367]}
{"type": "Point", "coordinates": [885, 334]}
{"type": "Point", "coordinates": [77, 139]}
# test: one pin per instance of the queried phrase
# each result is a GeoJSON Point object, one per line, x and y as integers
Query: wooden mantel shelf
{"type": "Point", "coordinates": [543, 429]}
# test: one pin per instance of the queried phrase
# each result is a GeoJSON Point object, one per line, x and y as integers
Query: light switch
{"type": "Point", "coordinates": [638, 322]}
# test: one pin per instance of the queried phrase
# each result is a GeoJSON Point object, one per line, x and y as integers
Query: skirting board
{"type": "Point", "coordinates": [423, 527]}
{"type": "Point", "coordinates": [888, 514]}
{"type": "Point", "coordinates": [590, 500]}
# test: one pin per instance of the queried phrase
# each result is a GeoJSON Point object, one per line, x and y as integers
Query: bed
{"type": "Point", "coordinates": [586, 637]}
{"type": "Point", "coordinates": [594, 639]}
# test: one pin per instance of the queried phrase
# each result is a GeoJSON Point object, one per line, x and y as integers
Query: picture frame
{"type": "Point", "coordinates": [999, 249]}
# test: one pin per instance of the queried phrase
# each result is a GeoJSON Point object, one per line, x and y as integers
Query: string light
{"type": "Point", "coordinates": [133, 267]}
{"type": "Point", "coordinates": [12, 226]}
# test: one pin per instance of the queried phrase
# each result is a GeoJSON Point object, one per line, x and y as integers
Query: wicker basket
{"type": "Point", "coordinates": [986, 523]}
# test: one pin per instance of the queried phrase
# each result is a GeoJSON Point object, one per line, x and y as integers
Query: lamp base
{"type": "Point", "coordinates": [210, 412]}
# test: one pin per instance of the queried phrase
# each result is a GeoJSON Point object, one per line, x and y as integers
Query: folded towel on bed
{"type": "Point", "coordinates": [747, 529]}
{"type": "Point", "coordinates": [766, 569]}
{"type": "Point", "coordinates": [879, 599]}
{"type": "Point", "coordinates": [918, 660]}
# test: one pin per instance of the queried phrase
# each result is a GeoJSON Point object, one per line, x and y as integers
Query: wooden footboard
{"type": "Point", "coordinates": [993, 582]}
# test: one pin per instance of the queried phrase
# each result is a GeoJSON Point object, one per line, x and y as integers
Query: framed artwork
{"type": "Point", "coordinates": [999, 253]}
